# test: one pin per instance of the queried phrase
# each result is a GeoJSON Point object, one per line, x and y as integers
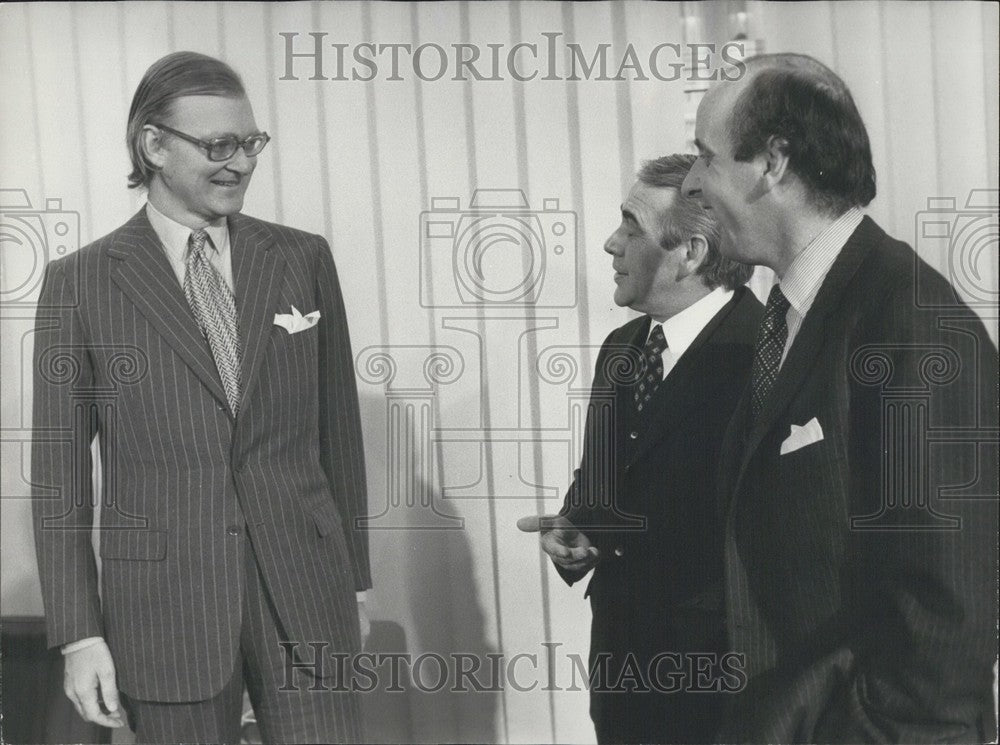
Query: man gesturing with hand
{"type": "Point", "coordinates": [570, 549]}
{"type": "Point", "coordinates": [641, 509]}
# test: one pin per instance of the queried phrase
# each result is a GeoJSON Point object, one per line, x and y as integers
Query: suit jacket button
{"type": "Point", "coordinates": [619, 551]}
{"type": "Point", "coordinates": [633, 435]}
{"type": "Point", "coordinates": [234, 530]}
{"type": "Point", "coordinates": [220, 407]}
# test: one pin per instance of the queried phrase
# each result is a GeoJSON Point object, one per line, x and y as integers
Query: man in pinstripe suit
{"type": "Point", "coordinates": [859, 471]}
{"type": "Point", "coordinates": [208, 353]}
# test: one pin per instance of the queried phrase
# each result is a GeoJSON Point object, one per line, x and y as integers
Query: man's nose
{"type": "Point", "coordinates": [692, 182]}
{"type": "Point", "coordinates": [611, 245]}
{"type": "Point", "coordinates": [242, 163]}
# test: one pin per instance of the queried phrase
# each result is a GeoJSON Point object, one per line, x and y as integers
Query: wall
{"type": "Point", "coordinates": [479, 423]}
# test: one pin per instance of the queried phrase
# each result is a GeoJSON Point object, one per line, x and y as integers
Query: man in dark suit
{"type": "Point", "coordinates": [208, 353]}
{"type": "Point", "coordinates": [641, 508]}
{"type": "Point", "coordinates": [859, 474]}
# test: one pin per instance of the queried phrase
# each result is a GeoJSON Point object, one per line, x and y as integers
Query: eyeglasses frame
{"type": "Point", "coordinates": [207, 145]}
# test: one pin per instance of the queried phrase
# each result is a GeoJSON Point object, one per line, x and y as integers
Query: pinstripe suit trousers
{"type": "Point", "coordinates": [291, 705]}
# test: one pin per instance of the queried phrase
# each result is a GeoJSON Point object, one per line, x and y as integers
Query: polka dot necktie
{"type": "Point", "coordinates": [214, 307]}
{"type": "Point", "coordinates": [770, 346]}
{"type": "Point", "coordinates": [651, 368]}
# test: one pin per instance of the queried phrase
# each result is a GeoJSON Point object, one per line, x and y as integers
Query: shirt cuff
{"type": "Point", "coordinates": [81, 644]}
{"type": "Point", "coordinates": [362, 595]}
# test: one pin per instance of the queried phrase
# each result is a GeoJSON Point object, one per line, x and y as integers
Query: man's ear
{"type": "Point", "coordinates": [151, 146]}
{"type": "Point", "coordinates": [776, 161]}
{"type": "Point", "coordinates": [695, 253]}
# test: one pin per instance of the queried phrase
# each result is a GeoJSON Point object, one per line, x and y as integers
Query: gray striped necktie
{"type": "Point", "coordinates": [214, 307]}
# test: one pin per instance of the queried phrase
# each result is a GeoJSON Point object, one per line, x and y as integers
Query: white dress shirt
{"type": "Point", "coordinates": [683, 328]}
{"type": "Point", "coordinates": [174, 239]}
{"type": "Point", "coordinates": [805, 276]}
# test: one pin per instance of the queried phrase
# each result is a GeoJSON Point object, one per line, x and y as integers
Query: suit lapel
{"type": "Point", "coordinates": [682, 387]}
{"type": "Point", "coordinates": [806, 346]}
{"type": "Point", "coordinates": [144, 274]}
{"type": "Point", "coordinates": [258, 269]}
{"type": "Point", "coordinates": [733, 449]}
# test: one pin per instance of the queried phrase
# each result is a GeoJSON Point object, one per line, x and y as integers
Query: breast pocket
{"type": "Point", "coordinates": [291, 362]}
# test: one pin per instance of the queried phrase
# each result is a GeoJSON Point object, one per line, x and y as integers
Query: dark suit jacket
{"type": "Point", "coordinates": [645, 496]}
{"type": "Point", "coordinates": [119, 355]}
{"type": "Point", "coordinates": [861, 569]}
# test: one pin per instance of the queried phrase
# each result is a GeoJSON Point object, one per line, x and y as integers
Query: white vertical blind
{"type": "Point", "coordinates": [366, 164]}
{"type": "Point", "coordinates": [924, 76]}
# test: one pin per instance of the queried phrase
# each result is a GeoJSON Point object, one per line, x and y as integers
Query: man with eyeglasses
{"type": "Point", "coordinates": [208, 354]}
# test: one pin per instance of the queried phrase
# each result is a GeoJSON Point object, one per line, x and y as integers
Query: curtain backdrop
{"type": "Point", "coordinates": [475, 325]}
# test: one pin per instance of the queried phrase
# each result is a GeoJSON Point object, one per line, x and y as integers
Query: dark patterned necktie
{"type": "Point", "coordinates": [651, 368]}
{"type": "Point", "coordinates": [770, 346]}
{"type": "Point", "coordinates": [214, 307]}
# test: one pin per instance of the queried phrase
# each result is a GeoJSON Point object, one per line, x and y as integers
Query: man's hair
{"type": "Point", "coordinates": [686, 218]}
{"type": "Point", "coordinates": [795, 98]}
{"type": "Point", "coordinates": [169, 78]}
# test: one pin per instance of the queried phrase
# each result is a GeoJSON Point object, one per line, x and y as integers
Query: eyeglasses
{"type": "Point", "coordinates": [224, 148]}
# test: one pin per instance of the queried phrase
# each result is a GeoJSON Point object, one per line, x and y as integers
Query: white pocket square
{"type": "Point", "coordinates": [295, 322]}
{"type": "Point", "coordinates": [799, 437]}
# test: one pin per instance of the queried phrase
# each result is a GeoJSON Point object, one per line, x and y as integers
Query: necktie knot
{"type": "Point", "coordinates": [197, 242]}
{"type": "Point", "coordinates": [777, 303]}
{"type": "Point", "coordinates": [656, 343]}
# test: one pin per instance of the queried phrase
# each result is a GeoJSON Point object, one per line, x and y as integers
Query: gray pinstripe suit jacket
{"type": "Point", "coordinates": [861, 569]}
{"type": "Point", "coordinates": [118, 354]}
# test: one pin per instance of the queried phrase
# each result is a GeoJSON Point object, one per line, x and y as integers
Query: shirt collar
{"type": "Point", "coordinates": [683, 328]}
{"type": "Point", "coordinates": [174, 236]}
{"type": "Point", "coordinates": [805, 276]}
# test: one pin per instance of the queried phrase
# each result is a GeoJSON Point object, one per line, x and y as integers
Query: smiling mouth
{"type": "Point", "coordinates": [226, 182]}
